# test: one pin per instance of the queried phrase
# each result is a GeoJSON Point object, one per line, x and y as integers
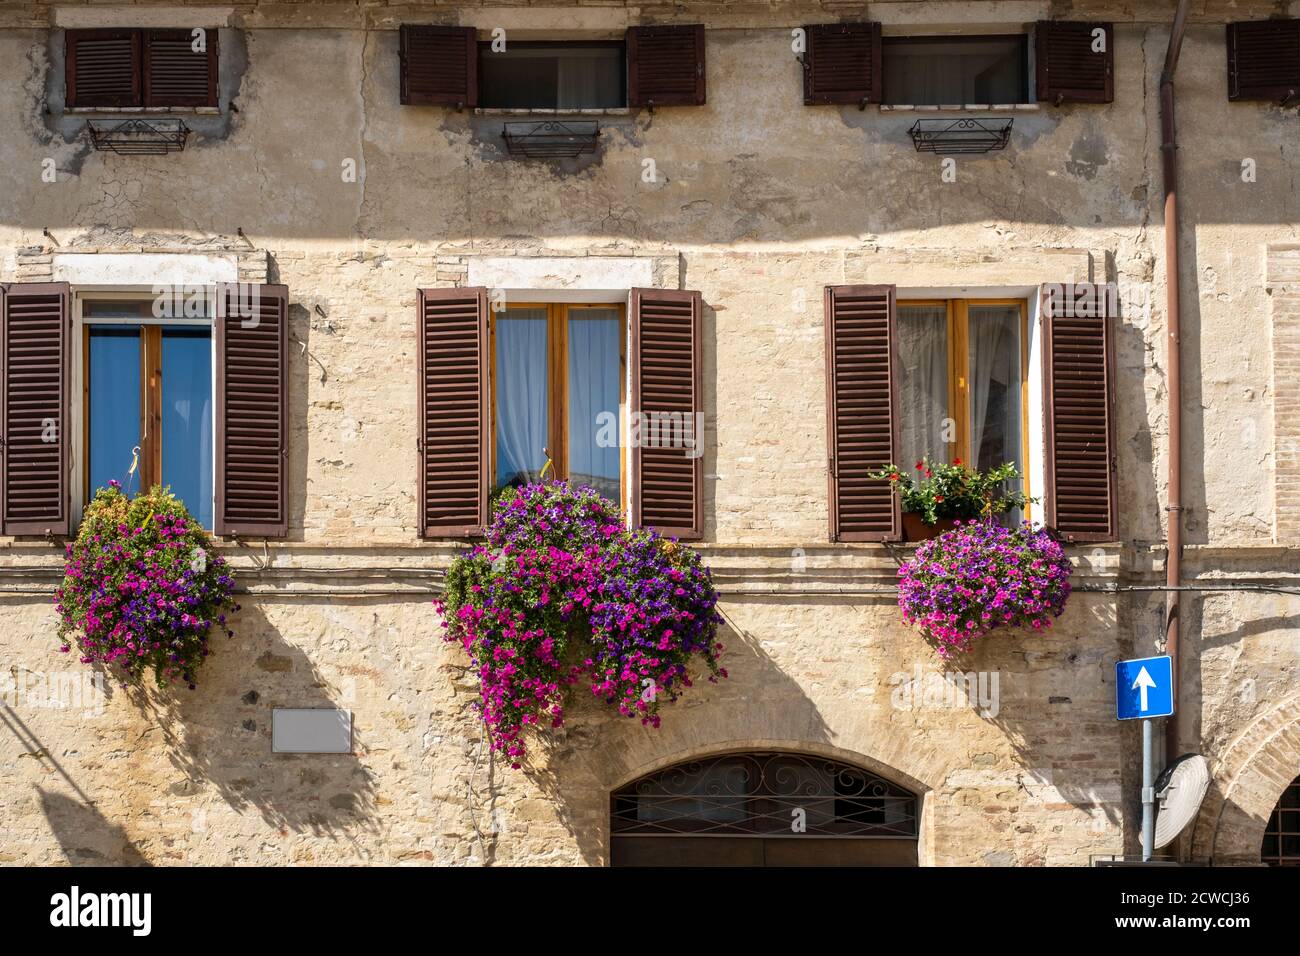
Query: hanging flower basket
{"type": "Point", "coordinates": [563, 593]}
{"type": "Point", "coordinates": [142, 588]}
{"type": "Point", "coordinates": [980, 576]}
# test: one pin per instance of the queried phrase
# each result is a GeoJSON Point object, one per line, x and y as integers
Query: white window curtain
{"type": "Point", "coordinates": [995, 414]}
{"type": "Point", "coordinates": [522, 395]}
{"type": "Point", "coordinates": [594, 387]}
{"type": "Point", "coordinates": [923, 392]}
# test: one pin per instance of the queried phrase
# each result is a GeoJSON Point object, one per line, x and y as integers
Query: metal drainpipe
{"type": "Point", "coordinates": [1173, 362]}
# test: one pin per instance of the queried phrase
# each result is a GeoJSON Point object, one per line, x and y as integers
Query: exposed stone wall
{"type": "Point", "coordinates": [758, 203]}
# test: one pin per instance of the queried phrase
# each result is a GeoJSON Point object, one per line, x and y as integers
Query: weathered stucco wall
{"type": "Point", "coordinates": [759, 202]}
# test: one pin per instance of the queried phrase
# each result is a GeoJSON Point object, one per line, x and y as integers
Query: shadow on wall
{"type": "Point", "coordinates": [86, 837]}
{"type": "Point", "coordinates": [575, 769]}
{"type": "Point", "coordinates": [220, 736]}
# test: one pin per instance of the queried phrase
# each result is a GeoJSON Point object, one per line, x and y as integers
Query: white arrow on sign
{"type": "Point", "coordinates": [1142, 682]}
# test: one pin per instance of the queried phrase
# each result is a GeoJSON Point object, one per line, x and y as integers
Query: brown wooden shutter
{"type": "Point", "coordinates": [453, 388]}
{"type": "Point", "coordinates": [103, 68]}
{"type": "Point", "coordinates": [1079, 389]}
{"type": "Point", "coordinates": [1067, 69]}
{"type": "Point", "coordinates": [252, 333]}
{"type": "Point", "coordinates": [664, 350]}
{"type": "Point", "coordinates": [1264, 60]}
{"type": "Point", "coordinates": [862, 419]}
{"type": "Point", "coordinates": [35, 338]}
{"type": "Point", "coordinates": [665, 66]}
{"type": "Point", "coordinates": [174, 75]}
{"type": "Point", "coordinates": [439, 66]}
{"type": "Point", "coordinates": [842, 64]}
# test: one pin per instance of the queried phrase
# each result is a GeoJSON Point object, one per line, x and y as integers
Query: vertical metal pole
{"type": "Point", "coordinates": [1148, 791]}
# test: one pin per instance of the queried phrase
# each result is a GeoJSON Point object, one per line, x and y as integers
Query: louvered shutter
{"type": "Point", "coordinates": [862, 420]}
{"type": "Point", "coordinates": [1264, 60]}
{"type": "Point", "coordinates": [439, 66]}
{"type": "Point", "coordinates": [842, 63]}
{"type": "Point", "coordinates": [665, 66]}
{"type": "Point", "coordinates": [103, 68]}
{"type": "Point", "coordinates": [453, 389]}
{"type": "Point", "coordinates": [667, 405]}
{"type": "Point", "coordinates": [174, 75]}
{"type": "Point", "coordinates": [1079, 388]}
{"type": "Point", "coordinates": [1067, 69]}
{"type": "Point", "coordinates": [252, 333]}
{"type": "Point", "coordinates": [35, 337]}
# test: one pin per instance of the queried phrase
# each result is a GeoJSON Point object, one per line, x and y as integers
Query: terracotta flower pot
{"type": "Point", "coordinates": [915, 528]}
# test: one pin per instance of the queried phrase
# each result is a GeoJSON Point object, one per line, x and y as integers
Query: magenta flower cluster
{"type": "Point", "coordinates": [981, 576]}
{"type": "Point", "coordinates": [142, 588]}
{"type": "Point", "coordinates": [561, 593]}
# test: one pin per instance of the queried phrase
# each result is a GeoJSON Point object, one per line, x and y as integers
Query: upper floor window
{"type": "Point", "coordinates": [557, 390]}
{"type": "Point", "coordinates": [141, 68]}
{"type": "Point", "coordinates": [955, 71]}
{"type": "Point", "coordinates": [550, 75]}
{"type": "Point", "coordinates": [963, 368]}
{"type": "Point", "coordinates": [148, 394]}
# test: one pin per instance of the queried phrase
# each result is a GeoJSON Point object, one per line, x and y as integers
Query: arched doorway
{"type": "Point", "coordinates": [763, 808]}
{"type": "Point", "coordinates": [1281, 846]}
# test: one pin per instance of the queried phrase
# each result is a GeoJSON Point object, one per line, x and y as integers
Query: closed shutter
{"type": "Point", "coordinates": [174, 75]}
{"type": "Point", "coordinates": [103, 68]}
{"type": "Point", "coordinates": [1069, 67]}
{"type": "Point", "coordinates": [1079, 388]}
{"type": "Point", "coordinates": [252, 330]}
{"type": "Point", "coordinates": [34, 362]}
{"type": "Point", "coordinates": [439, 66]}
{"type": "Point", "coordinates": [453, 388]}
{"type": "Point", "coordinates": [1264, 60]}
{"type": "Point", "coordinates": [862, 421]}
{"type": "Point", "coordinates": [667, 405]}
{"type": "Point", "coordinates": [842, 64]}
{"type": "Point", "coordinates": [665, 66]}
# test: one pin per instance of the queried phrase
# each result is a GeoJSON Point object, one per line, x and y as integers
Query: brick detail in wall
{"type": "Point", "coordinates": [1284, 287]}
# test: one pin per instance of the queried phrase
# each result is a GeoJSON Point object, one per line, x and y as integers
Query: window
{"type": "Point", "coordinates": [141, 68]}
{"type": "Point", "coordinates": [963, 369]}
{"type": "Point", "coordinates": [559, 76]}
{"type": "Point", "coordinates": [148, 394]}
{"type": "Point", "coordinates": [954, 71]}
{"type": "Point", "coordinates": [1281, 846]}
{"type": "Point", "coordinates": [558, 394]}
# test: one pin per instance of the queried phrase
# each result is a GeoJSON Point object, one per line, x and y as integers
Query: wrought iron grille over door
{"type": "Point", "coordinates": [764, 808]}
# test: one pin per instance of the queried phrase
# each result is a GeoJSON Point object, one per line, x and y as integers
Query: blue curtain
{"type": "Point", "coordinates": [114, 404]}
{"type": "Point", "coordinates": [187, 418]}
{"type": "Point", "coordinates": [595, 383]}
{"type": "Point", "coordinates": [521, 395]}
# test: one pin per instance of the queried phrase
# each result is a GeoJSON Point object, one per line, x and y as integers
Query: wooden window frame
{"type": "Point", "coordinates": [484, 54]}
{"type": "Point", "coordinates": [140, 37]}
{"type": "Point", "coordinates": [958, 318]}
{"type": "Point", "coordinates": [557, 344]}
{"type": "Point", "coordinates": [1026, 63]}
{"type": "Point", "coordinates": [150, 469]}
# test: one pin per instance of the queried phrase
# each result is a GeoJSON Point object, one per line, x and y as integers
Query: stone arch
{"type": "Point", "coordinates": [1246, 782]}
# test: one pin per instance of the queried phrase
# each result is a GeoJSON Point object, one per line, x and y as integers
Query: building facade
{"type": "Point", "coordinates": [595, 207]}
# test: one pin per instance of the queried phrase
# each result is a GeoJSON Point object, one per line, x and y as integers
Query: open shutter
{"type": "Point", "coordinates": [842, 64]}
{"type": "Point", "coordinates": [1264, 60]}
{"type": "Point", "coordinates": [1079, 388]}
{"type": "Point", "coordinates": [35, 337]}
{"type": "Point", "coordinates": [453, 387]}
{"type": "Point", "coordinates": [103, 68]}
{"type": "Point", "coordinates": [439, 66]}
{"type": "Point", "coordinates": [667, 405]}
{"type": "Point", "coordinates": [174, 75]}
{"type": "Point", "coordinates": [1069, 67]}
{"type": "Point", "coordinates": [862, 420]}
{"type": "Point", "coordinates": [252, 332]}
{"type": "Point", "coordinates": [665, 66]}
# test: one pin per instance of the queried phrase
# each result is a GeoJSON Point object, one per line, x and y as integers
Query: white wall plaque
{"type": "Point", "coordinates": [317, 730]}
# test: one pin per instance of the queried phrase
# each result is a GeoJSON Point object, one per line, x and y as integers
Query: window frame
{"type": "Point", "coordinates": [484, 51]}
{"type": "Point", "coordinates": [151, 328]}
{"type": "Point", "coordinates": [557, 365]}
{"type": "Point", "coordinates": [1026, 63]}
{"type": "Point", "coordinates": [140, 48]}
{"type": "Point", "coordinates": [958, 337]}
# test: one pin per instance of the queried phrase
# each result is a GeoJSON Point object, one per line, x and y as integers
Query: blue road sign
{"type": "Point", "coordinates": [1144, 688]}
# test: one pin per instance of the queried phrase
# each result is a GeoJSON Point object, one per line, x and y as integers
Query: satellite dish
{"type": "Point", "coordinates": [1180, 789]}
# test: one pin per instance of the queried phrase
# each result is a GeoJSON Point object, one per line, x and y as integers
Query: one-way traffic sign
{"type": "Point", "coordinates": [1144, 688]}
